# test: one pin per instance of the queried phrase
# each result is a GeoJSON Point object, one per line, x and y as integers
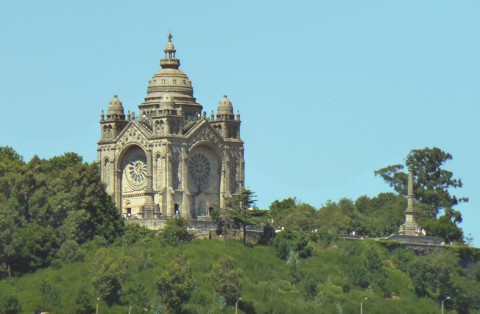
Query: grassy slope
{"type": "Point", "coordinates": [266, 285]}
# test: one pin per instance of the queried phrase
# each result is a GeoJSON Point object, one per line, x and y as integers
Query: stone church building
{"type": "Point", "coordinates": [171, 159]}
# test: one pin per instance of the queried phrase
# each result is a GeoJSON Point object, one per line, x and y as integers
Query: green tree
{"type": "Point", "coordinates": [242, 212]}
{"type": "Point", "coordinates": [302, 219]}
{"type": "Point", "coordinates": [227, 280]}
{"type": "Point", "coordinates": [84, 302]}
{"type": "Point", "coordinates": [223, 218]}
{"type": "Point", "coordinates": [378, 216]}
{"type": "Point", "coordinates": [334, 219]}
{"type": "Point", "coordinates": [45, 203]}
{"type": "Point", "coordinates": [137, 297]}
{"type": "Point", "coordinates": [432, 274]}
{"type": "Point", "coordinates": [106, 277]}
{"type": "Point", "coordinates": [309, 287]}
{"type": "Point", "coordinates": [281, 247]}
{"type": "Point", "coordinates": [279, 210]}
{"type": "Point", "coordinates": [50, 297]}
{"type": "Point", "coordinates": [432, 186]}
{"type": "Point", "coordinates": [70, 252]}
{"type": "Point", "coordinates": [302, 246]}
{"type": "Point", "coordinates": [175, 284]}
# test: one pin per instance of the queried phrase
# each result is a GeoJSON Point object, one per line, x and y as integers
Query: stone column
{"type": "Point", "coordinates": [241, 173]}
{"type": "Point", "coordinates": [410, 227]}
{"type": "Point", "coordinates": [185, 207]}
{"type": "Point", "coordinates": [410, 190]}
{"type": "Point", "coordinates": [222, 183]}
{"type": "Point", "coordinates": [169, 184]}
{"type": "Point", "coordinates": [149, 206]}
{"type": "Point", "coordinates": [224, 130]}
{"type": "Point", "coordinates": [117, 194]}
{"type": "Point", "coordinates": [228, 163]}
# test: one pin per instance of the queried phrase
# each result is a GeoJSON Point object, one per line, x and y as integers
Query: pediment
{"type": "Point", "coordinates": [133, 133]}
{"type": "Point", "coordinates": [204, 132]}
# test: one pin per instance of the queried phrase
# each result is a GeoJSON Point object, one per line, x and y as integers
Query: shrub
{"type": "Point", "coordinates": [9, 304]}
{"type": "Point", "coordinates": [176, 232]}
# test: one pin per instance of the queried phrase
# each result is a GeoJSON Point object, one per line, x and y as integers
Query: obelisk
{"type": "Point", "coordinates": [410, 227]}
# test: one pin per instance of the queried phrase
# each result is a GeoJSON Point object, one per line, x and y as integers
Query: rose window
{"type": "Point", "coordinates": [137, 170]}
{"type": "Point", "coordinates": [199, 168]}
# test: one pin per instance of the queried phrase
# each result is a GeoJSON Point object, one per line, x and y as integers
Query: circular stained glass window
{"type": "Point", "coordinates": [137, 170]}
{"type": "Point", "coordinates": [199, 168]}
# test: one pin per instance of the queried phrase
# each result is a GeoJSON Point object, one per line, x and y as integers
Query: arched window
{"type": "Point", "coordinates": [105, 172]}
{"type": "Point", "coordinates": [160, 127]}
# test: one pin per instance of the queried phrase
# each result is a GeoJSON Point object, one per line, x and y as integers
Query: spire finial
{"type": "Point", "coordinates": [169, 61]}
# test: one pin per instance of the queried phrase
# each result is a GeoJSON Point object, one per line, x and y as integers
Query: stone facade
{"type": "Point", "coordinates": [172, 159]}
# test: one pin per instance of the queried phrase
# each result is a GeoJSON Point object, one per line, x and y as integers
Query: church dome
{"type": "Point", "coordinates": [225, 107]}
{"type": "Point", "coordinates": [169, 79]}
{"type": "Point", "coordinates": [115, 106]}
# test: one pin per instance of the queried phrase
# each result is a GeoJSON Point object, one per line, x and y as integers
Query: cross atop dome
{"type": "Point", "coordinates": [170, 62]}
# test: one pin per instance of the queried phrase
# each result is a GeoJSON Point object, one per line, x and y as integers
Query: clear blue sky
{"type": "Point", "coordinates": [328, 91]}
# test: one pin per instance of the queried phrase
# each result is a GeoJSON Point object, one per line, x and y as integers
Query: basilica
{"type": "Point", "coordinates": [171, 159]}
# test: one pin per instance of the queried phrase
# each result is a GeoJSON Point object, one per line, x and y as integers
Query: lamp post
{"type": "Point", "coordinates": [443, 301]}
{"type": "Point", "coordinates": [361, 305]}
{"type": "Point", "coordinates": [96, 312]}
{"type": "Point", "coordinates": [236, 305]}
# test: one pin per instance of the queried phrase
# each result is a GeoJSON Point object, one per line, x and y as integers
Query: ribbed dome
{"type": "Point", "coordinates": [115, 106]}
{"type": "Point", "coordinates": [225, 107]}
{"type": "Point", "coordinates": [169, 81]}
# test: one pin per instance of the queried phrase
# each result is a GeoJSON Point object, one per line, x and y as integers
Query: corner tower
{"type": "Point", "coordinates": [172, 159]}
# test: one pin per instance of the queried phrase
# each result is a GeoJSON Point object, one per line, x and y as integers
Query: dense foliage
{"type": "Point", "coordinates": [432, 189]}
{"type": "Point", "coordinates": [209, 276]}
{"type": "Point", "coordinates": [48, 208]}
{"type": "Point", "coordinates": [56, 213]}
{"type": "Point", "coordinates": [378, 216]}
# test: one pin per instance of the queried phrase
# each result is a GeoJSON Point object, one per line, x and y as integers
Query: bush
{"type": "Point", "coordinates": [9, 304]}
{"type": "Point", "coordinates": [175, 284]}
{"type": "Point", "coordinates": [70, 252]}
{"type": "Point", "coordinates": [176, 232]}
{"type": "Point", "coordinates": [226, 280]}
{"type": "Point", "coordinates": [106, 276]}
{"type": "Point", "coordinates": [302, 247]}
{"type": "Point", "coordinates": [281, 247]}
{"type": "Point", "coordinates": [137, 234]}
{"type": "Point", "coordinates": [84, 302]}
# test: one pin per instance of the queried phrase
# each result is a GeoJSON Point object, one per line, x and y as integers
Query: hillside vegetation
{"type": "Point", "coordinates": [64, 249]}
{"type": "Point", "coordinates": [334, 279]}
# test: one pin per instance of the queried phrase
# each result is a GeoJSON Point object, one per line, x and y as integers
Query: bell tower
{"type": "Point", "coordinates": [225, 123]}
{"type": "Point", "coordinates": [114, 122]}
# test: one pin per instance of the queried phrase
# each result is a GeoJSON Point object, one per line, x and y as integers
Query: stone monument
{"type": "Point", "coordinates": [410, 227]}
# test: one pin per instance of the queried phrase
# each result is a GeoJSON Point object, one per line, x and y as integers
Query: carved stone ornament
{"type": "Point", "coordinates": [199, 168]}
{"type": "Point", "coordinates": [136, 172]}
